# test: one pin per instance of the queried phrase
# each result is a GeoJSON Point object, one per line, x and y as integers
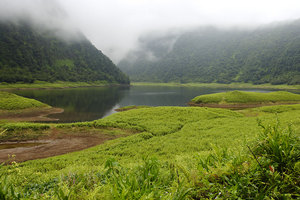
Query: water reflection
{"type": "Point", "coordinates": [86, 104]}
{"type": "Point", "coordinates": [79, 104]}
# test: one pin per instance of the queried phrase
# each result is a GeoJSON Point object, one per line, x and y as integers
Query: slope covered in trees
{"type": "Point", "coordinates": [269, 54]}
{"type": "Point", "coordinates": [28, 54]}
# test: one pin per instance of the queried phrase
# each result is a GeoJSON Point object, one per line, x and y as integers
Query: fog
{"type": "Point", "coordinates": [116, 26]}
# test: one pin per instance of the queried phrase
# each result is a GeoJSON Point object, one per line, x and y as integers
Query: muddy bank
{"type": "Point", "coordinates": [30, 115]}
{"type": "Point", "coordinates": [52, 145]}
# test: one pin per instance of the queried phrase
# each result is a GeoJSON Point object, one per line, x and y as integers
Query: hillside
{"type": "Point", "coordinates": [28, 54]}
{"type": "Point", "coordinates": [269, 54]}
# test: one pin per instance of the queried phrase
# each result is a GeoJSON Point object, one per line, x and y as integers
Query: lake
{"type": "Point", "coordinates": [86, 104]}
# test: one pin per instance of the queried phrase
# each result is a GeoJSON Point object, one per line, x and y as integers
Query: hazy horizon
{"type": "Point", "coordinates": [115, 26]}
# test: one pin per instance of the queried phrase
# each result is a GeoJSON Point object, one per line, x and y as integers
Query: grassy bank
{"type": "Point", "coordinates": [241, 97]}
{"type": "Point", "coordinates": [219, 85]}
{"type": "Point", "coordinates": [16, 108]}
{"type": "Point", "coordinates": [10, 102]}
{"type": "Point", "coordinates": [45, 85]}
{"type": "Point", "coordinates": [177, 153]}
{"type": "Point", "coordinates": [125, 108]}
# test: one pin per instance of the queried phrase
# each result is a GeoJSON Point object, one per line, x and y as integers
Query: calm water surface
{"type": "Point", "coordinates": [86, 104]}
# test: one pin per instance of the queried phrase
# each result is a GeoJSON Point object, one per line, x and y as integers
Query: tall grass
{"type": "Point", "coordinates": [148, 181]}
{"type": "Point", "coordinates": [21, 131]}
{"type": "Point", "coordinates": [198, 154]}
{"type": "Point", "coordinates": [280, 147]}
{"type": "Point", "coordinates": [268, 171]}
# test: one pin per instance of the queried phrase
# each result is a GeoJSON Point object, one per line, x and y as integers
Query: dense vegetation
{"type": "Point", "coordinates": [30, 54]}
{"type": "Point", "coordinates": [220, 85]}
{"type": "Point", "coordinates": [179, 153]}
{"type": "Point", "coordinates": [9, 101]}
{"type": "Point", "coordinates": [49, 85]}
{"type": "Point", "coordinates": [269, 54]}
{"type": "Point", "coordinates": [233, 97]}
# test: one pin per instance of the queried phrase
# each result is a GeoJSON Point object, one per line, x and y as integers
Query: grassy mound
{"type": "Point", "coordinates": [9, 101]}
{"type": "Point", "coordinates": [240, 97]}
{"type": "Point", "coordinates": [159, 120]}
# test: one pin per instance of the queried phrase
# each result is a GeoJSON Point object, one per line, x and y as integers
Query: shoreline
{"type": "Point", "coordinates": [65, 85]}
{"type": "Point", "coordinates": [30, 115]}
{"type": "Point", "coordinates": [219, 85]}
{"type": "Point", "coordinates": [56, 85]}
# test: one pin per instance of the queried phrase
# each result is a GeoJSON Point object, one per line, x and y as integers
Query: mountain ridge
{"type": "Point", "coordinates": [269, 54]}
{"type": "Point", "coordinates": [28, 55]}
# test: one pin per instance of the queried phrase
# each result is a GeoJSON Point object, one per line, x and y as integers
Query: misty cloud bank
{"type": "Point", "coordinates": [117, 26]}
{"type": "Point", "coordinates": [44, 15]}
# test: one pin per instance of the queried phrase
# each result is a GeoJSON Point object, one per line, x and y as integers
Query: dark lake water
{"type": "Point", "coordinates": [86, 104]}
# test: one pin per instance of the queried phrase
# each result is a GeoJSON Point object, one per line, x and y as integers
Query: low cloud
{"type": "Point", "coordinates": [116, 26]}
{"type": "Point", "coordinates": [44, 15]}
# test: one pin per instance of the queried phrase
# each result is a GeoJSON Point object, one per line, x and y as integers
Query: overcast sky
{"type": "Point", "coordinates": [114, 26]}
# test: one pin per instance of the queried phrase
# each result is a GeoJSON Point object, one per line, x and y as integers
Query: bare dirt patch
{"type": "Point", "coordinates": [56, 143]}
{"type": "Point", "coordinates": [30, 115]}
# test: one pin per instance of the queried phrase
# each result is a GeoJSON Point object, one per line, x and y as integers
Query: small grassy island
{"type": "Point", "coordinates": [19, 108]}
{"type": "Point", "coordinates": [240, 99]}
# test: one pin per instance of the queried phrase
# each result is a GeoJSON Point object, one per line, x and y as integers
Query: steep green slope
{"type": "Point", "coordinates": [269, 54]}
{"type": "Point", "coordinates": [28, 54]}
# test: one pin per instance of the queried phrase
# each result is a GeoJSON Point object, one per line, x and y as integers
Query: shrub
{"type": "Point", "coordinates": [24, 126]}
{"type": "Point", "coordinates": [272, 173]}
{"type": "Point", "coordinates": [148, 181]}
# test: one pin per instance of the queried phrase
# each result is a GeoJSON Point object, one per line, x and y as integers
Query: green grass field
{"type": "Point", "coordinates": [177, 153]}
{"type": "Point", "coordinates": [9, 101]}
{"type": "Point", "coordinates": [240, 97]}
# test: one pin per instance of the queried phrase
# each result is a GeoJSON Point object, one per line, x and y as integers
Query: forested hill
{"type": "Point", "coordinates": [269, 54]}
{"type": "Point", "coordinates": [27, 55]}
